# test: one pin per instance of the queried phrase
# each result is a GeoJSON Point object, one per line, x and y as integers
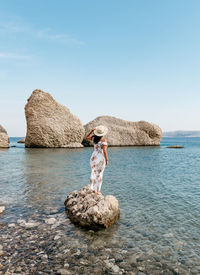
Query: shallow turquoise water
{"type": "Point", "coordinates": [158, 191]}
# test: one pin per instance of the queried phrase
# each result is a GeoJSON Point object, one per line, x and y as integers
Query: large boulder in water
{"type": "Point", "coordinates": [4, 139]}
{"type": "Point", "coordinates": [126, 133]}
{"type": "Point", "coordinates": [92, 210]}
{"type": "Point", "coordinates": [50, 124]}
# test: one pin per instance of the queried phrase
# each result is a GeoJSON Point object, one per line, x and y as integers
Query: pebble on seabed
{"type": "Point", "coordinates": [2, 209]}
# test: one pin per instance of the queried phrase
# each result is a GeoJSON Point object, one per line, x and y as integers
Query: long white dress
{"type": "Point", "coordinates": [97, 163]}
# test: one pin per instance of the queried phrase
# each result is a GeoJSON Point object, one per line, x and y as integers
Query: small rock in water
{"type": "Point", "coordinates": [175, 147]}
{"type": "Point", "coordinates": [11, 225]}
{"type": "Point", "coordinates": [115, 268]}
{"type": "Point", "coordinates": [177, 242]}
{"type": "Point", "coordinates": [169, 235]}
{"type": "Point", "coordinates": [63, 271]}
{"type": "Point", "coordinates": [19, 269]}
{"type": "Point", "coordinates": [20, 221]}
{"type": "Point", "coordinates": [50, 221]}
{"type": "Point", "coordinates": [2, 253]}
{"type": "Point", "coordinates": [45, 256]}
{"type": "Point", "coordinates": [2, 209]}
{"type": "Point", "coordinates": [77, 253]}
{"type": "Point", "coordinates": [56, 237]}
{"type": "Point", "coordinates": [133, 259]}
{"type": "Point", "coordinates": [141, 268]}
{"type": "Point", "coordinates": [51, 210]}
{"type": "Point", "coordinates": [21, 140]}
{"type": "Point", "coordinates": [30, 224]}
{"type": "Point", "coordinates": [150, 252]}
{"type": "Point", "coordinates": [92, 210]}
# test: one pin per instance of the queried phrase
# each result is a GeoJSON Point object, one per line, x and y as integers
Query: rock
{"type": "Point", "coordinates": [168, 235]}
{"type": "Point", "coordinates": [56, 237]}
{"type": "Point", "coordinates": [91, 210]}
{"type": "Point", "coordinates": [21, 140]}
{"type": "Point", "coordinates": [177, 242]}
{"type": "Point", "coordinates": [126, 133]}
{"type": "Point", "coordinates": [2, 209]}
{"type": "Point", "coordinates": [21, 222]}
{"type": "Point", "coordinates": [50, 124]}
{"type": "Point", "coordinates": [150, 252]}
{"type": "Point", "coordinates": [4, 139]}
{"type": "Point", "coordinates": [50, 221]}
{"type": "Point", "coordinates": [19, 269]}
{"type": "Point", "coordinates": [11, 225]}
{"type": "Point", "coordinates": [175, 147]}
{"type": "Point", "coordinates": [115, 268]}
{"type": "Point", "coordinates": [30, 224]}
{"type": "Point", "coordinates": [63, 271]}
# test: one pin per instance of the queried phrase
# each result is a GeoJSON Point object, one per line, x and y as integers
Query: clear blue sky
{"type": "Point", "coordinates": [136, 60]}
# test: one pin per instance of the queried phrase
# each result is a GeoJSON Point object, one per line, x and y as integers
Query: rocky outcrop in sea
{"type": "Point", "coordinates": [92, 210]}
{"type": "Point", "coordinates": [126, 133]}
{"type": "Point", "coordinates": [50, 124]}
{"type": "Point", "coordinates": [21, 140]}
{"type": "Point", "coordinates": [4, 139]}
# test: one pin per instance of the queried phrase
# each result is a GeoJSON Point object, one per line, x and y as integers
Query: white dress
{"type": "Point", "coordinates": [97, 163]}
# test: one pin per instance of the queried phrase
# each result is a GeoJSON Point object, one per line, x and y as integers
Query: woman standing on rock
{"type": "Point", "coordinates": [99, 158]}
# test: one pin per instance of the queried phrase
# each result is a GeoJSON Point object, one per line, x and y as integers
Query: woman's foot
{"type": "Point", "coordinates": [99, 192]}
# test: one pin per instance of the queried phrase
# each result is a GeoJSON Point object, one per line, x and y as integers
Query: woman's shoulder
{"type": "Point", "coordinates": [103, 141]}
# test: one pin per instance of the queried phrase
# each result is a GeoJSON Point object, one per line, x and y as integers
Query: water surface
{"type": "Point", "coordinates": [158, 190]}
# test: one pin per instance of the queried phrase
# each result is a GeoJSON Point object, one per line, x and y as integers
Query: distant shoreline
{"type": "Point", "coordinates": [182, 134]}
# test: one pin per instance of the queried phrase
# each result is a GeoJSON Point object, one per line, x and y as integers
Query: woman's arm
{"type": "Point", "coordinates": [104, 147]}
{"type": "Point", "coordinates": [105, 153]}
{"type": "Point", "coordinates": [88, 135]}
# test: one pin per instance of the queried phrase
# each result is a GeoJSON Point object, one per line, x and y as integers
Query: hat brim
{"type": "Point", "coordinates": [101, 135]}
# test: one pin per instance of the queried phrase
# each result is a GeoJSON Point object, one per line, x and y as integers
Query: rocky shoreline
{"type": "Point", "coordinates": [46, 245]}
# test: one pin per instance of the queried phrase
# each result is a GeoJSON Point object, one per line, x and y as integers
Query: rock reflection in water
{"type": "Point", "coordinates": [50, 174]}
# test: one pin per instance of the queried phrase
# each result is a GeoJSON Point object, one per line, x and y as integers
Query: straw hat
{"type": "Point", "coordinates": [100, 131]}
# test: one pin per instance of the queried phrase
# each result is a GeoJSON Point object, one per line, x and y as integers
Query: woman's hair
{"type": "Point", "coordinates": [96, 139]}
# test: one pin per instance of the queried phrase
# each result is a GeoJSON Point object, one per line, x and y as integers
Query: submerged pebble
{"type": "Point", "coordinates": [2, 209]}
{"type": "Point", "coordinates": [50, 221]}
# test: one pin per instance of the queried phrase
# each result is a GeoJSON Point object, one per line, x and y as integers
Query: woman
{"type": "Point", "coordinates": [99, 157]}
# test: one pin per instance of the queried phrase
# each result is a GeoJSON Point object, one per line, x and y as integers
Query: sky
{"type": "Point", "coordinates": [132, 59]}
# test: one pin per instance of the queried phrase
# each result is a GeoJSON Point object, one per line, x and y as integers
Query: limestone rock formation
{"type": "Point", "coordinates": [126, 133]}
{"type": "Point", "coordinates": [21, 140]}
{"type": "Point", "coordinates": [50, 124]}
{"type": "Point", "coordinates": [4, 139]}
{"type": "Point", "coordinates": [91, 210]}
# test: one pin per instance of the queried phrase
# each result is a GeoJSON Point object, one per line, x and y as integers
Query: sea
{"type": "Point", "coordinates": [158, 190]}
